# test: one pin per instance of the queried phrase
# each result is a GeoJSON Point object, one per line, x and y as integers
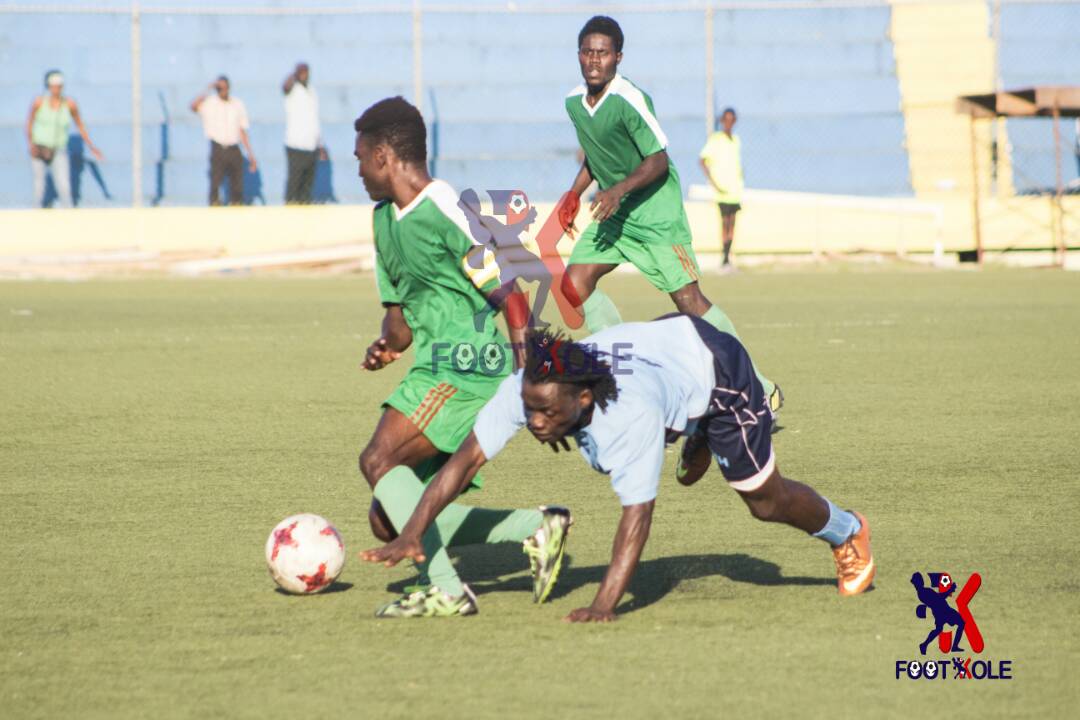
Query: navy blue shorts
{"type": "Point", "coordinates": [738, 424]}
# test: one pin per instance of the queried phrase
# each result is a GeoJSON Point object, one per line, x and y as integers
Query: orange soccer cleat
{"type": "Point", "coordinates": [854, 561]}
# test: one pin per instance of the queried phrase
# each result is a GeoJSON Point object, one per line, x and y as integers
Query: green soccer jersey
{"type": "Point", "coordinates": [427, 262]}
{"type": "Point", "coordinates": [616, 134]}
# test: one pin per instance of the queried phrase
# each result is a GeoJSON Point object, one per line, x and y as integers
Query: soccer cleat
{"type": "Point", "coordinates": [430, 603]}
{"type": "Point", "coordinates": [776, 401]}
{"type": "Point", "coordinates": [854, 561]}
{"type": "Point", "coordinates": [546, 548]}
{"type": "Point", "coordinates": [693, 460]}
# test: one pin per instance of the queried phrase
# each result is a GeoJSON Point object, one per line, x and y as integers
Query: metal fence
{"type": "Point", "coordinates": [815, 83]}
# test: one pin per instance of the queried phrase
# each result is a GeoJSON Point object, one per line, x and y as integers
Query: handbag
{"type": "Point", "coordinates": [44, 153]}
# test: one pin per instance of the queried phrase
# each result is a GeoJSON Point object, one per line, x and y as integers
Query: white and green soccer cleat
{"type": "Point", "coordinates": [432, 602]}
{"type": "Point", "coordinates": [546, 548]}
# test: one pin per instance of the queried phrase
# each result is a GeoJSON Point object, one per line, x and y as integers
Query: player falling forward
{"type": "Point", "coordinates": [620, 393]}
{"type": "Point", "coordinates": [638, 214]}
{"type": "Point", "coordinates": [432, 287]}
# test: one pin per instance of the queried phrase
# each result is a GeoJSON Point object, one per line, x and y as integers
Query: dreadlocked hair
{"type": "Point", "coordinates": [553, 357]}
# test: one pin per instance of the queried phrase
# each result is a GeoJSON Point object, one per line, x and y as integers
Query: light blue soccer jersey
{"type": "Point", "coordinates": [665, 377]}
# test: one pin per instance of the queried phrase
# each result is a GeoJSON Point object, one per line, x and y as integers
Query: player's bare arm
{"type": "Point", "coordinates": [395, 339]}
{"type": "Point", "coordinates": [515, 309]}
{"type": "Point", "coordinates": [570, 202]}
{"type": "Point", "coordinates": [582, 180]}
{"type": "Point", "coordinates": [452, 479]}
{"type": "Point", "coordinates": [629, 541]}
{"type": "Point", "coordinates": [652, 168]}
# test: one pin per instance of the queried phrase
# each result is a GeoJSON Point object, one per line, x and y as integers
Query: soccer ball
{"type": "Point", "coordinates": [305, 554]}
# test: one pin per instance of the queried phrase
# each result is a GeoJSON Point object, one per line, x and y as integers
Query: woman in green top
{"type": "Point", "coordinates": [47, 128]}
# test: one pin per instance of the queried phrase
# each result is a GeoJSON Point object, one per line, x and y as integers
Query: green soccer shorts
{"type": "Point", "coordinates": [445, 414]}
{"type": "Point", "coordinates": [667, 267]}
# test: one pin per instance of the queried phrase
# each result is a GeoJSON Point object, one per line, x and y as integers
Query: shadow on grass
{"type": "Point", "coordinates": [334, 587]}
{"type": "Point", "coordinates": [483, 567]}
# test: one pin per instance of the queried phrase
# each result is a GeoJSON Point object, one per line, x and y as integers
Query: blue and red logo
{"type": "Point", "coordinates": [952, 628]}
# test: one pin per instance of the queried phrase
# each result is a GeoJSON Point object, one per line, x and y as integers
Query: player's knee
{"type": "Point", "coordinates": [766, 509]}
{"type": "Point", "coordinates": [573, 287]}
{"type": "Point", "coordinates": [689, 299]}
{"type": "Point", "coordinates": [769, 503]}
{"type": "Point", "coordinates": [371, 465]}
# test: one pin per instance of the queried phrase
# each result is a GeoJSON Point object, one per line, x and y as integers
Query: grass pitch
{"type": "Point", "coordinates": [153, 432]}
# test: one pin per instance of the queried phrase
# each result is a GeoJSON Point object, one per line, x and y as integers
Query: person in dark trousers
{"type": "Point", "coordinates": [225, 122]}
{"type": "Point", "coordinates": [303, 144]}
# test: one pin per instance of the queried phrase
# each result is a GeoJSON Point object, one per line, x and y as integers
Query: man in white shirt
{"type": "Point", "coordinates": [225, 122]}
{"type": "Point", "coordinates": [303, 147]}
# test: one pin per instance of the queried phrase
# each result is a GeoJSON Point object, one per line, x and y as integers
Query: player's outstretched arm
{"type": "Point", "coordinates": [395, 339]}
{"type": "Point", "coordinates": [515, 309]}
{"type": "Point", "coordinates": [648, 171]}
{"type": "Point", "coordinates": [629, 541]}
{"type": "Point", "coordinates": [582, 180]}
{"type": "Point", "coordinates": [451, 480]}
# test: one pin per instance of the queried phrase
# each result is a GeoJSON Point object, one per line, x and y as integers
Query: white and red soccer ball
{"type": "Point", "coordinates": [305, 554]}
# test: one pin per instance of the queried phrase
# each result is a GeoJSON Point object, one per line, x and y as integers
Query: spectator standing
{"type": "Point", "coordinates": [225, 122]}
{"type": "Point", "coordinates": [47, 131]}
{"type": "Point", "coordinates": [721, 159]}
{"type": "Point", "coordinates": [303, 146]}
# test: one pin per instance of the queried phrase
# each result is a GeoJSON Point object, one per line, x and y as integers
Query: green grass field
{"type": "Point", "coordinates": [154, 431]}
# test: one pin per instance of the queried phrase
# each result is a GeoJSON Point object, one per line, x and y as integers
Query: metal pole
{"type": "Point", "coordinates": [710, 79]}
{"type": "Point", "coordinates": [418, 55]}
{"type": "Point", "coordinates": [975, 190]}
{"type": "Point", "coordinates": [995, 31]}
{"type": "Point", "coordinates": [136, 107]}
{"type": "Point", "coordinates": [1058, 222]}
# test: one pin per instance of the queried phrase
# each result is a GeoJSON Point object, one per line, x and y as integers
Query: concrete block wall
{"type": "Point", "coordinates": [817, 91]}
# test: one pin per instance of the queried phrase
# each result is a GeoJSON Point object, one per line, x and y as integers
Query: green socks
{"type": "Point", "coordinates": [481, 525]}
{"type": "Point", "coordinates": [719, 320]}
{"type": "Point", "coordinates": [399, 492]}
{"type": "Point", "coordinates": [600, 312]}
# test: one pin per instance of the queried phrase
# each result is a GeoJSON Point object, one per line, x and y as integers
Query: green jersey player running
{"type": "Point", "coordinates": [435, 284]}
{"type": "Point", "coordinates": [638, 214]}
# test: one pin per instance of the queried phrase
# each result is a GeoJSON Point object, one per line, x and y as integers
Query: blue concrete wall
{"type": "Point", "coordinates": [818, 99]}
{"type": "Point", "coordinates": [816, 91]}
{"type": "Point", "coordinates": [1039, 46]}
